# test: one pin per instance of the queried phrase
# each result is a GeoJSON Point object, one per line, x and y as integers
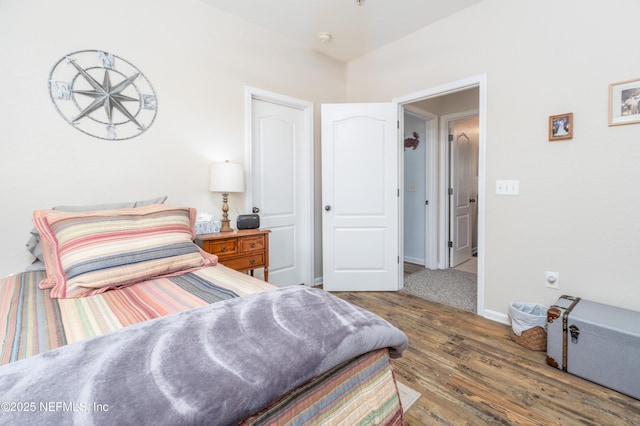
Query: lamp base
{"type": "Point", "coordinates": [225, 227]}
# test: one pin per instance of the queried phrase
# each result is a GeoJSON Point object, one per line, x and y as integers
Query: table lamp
{"type": "Point", "coordinates": [226, 177]}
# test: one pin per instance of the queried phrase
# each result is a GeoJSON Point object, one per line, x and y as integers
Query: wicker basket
{"type": "Point", "coordinates": [534, 339]}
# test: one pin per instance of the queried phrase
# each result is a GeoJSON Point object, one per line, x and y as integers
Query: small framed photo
{"type": "Point", "coordinates": [561, 126]}
{"type": "Point", "coordinates": [624, 102]}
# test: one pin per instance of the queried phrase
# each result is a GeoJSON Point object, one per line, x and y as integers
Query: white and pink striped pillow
{"type": "Point", "coordinates": [91, 252]}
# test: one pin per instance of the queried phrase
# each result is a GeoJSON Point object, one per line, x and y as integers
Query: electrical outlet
{"type": "Point", "coordinates": [551, 280]}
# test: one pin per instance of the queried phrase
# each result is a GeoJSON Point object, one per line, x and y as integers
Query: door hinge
{"type": "Point", "coordinates": [450, 191]}
{"type": "Point", "coordinates": [450, 244]}
{"type": "Point", "coordinates": [398, 260]}
{"type": "Point", "coordinates": [450, 138]}
{"type": "Point", "coordinates": [398, 121]}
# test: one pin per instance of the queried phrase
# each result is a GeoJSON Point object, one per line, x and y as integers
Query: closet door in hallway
{"type": "Point", "coordinates": [464, 188]}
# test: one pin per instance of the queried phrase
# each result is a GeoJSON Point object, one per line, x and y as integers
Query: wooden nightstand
{"type": "Point", "coordinates": [242, 250]}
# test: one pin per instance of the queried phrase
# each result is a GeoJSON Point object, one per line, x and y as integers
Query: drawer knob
{"type": "Point", "coordinates": [223, 249]}
{"type": "Point", "coordinates": [253, 244]}
{"type": "Point", "coordinates": [252, 261]}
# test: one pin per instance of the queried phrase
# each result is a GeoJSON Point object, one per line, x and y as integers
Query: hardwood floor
{"type": "Point", "coordinates": [410, 268]}
{"type": "Point", "coordinates": [471, 373]}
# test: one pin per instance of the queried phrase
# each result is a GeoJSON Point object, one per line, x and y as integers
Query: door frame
{"type": "Point", "coordinates": [445, 199]}
{"type": "Point", "coordinates": [308, 187]}
{"type": "Point", "coordinates": [479, 81]}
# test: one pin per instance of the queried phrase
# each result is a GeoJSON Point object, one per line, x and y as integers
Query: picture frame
{"type": "Point", "coordinates": [561, 127]}
{"type": "Point", "coordinates": [624, 102]}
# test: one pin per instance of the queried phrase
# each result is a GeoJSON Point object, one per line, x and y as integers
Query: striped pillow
{"type": "Point", "coordinates": [87, 253]}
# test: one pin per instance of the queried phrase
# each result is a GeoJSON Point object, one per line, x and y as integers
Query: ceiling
{"type": "Point", "coordinates": [355, 28]}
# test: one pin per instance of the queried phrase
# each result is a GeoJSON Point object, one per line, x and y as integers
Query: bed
{"type": "Point", "coordinates": [131, 323]}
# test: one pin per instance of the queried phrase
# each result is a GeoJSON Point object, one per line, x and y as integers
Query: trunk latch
{"type": "Point", "coordinates": [575, 332]}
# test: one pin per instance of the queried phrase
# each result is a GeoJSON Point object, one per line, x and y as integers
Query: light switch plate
{"type": "Point", "coordinates": [508, 187]}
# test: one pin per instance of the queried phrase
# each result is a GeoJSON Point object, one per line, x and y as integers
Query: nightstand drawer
{"type": "Point", "coordinates": [221, 247]}
{"type": "Point", "coordinates": [252, 243]}
{"type": "Point", "coordinates": [247, 262]}
{"type": "Point", "coordinates": [243, 250]}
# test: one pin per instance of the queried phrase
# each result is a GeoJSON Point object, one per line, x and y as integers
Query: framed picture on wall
{"type": "Point", "coordinates": [561, 126]}
{"type": "Point", "coordinates": [624, 102]}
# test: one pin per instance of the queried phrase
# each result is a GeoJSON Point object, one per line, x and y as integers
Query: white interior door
{"type": "Point", "coordinates": [462, 196]}
{"type": "Point", "coordinates": [280, 185]}
{"type": "Point", "coordinates": [360, 194]}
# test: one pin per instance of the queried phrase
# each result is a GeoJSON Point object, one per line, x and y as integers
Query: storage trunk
{"type": "Point", "coordinates": [598, 342]}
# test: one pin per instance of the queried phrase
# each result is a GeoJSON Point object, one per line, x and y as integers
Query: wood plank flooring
{"type": "Point", "coordinates": [470, 372]}
{"type": "Point", "coordinates": [410, 268]}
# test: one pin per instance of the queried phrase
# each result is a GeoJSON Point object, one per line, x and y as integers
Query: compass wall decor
{"type": "Point", "coordinates": [102, 95]}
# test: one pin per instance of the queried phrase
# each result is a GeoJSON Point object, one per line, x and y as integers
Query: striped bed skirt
{"type": "Point", "coordinates": [361, 391]}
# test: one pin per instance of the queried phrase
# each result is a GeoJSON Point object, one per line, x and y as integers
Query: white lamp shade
{"type": "Point", "coordinates": [227, 177]}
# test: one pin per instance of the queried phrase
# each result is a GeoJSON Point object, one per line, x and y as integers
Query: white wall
{"type": "Point", "coordinates": [415, 169]}
{"type": "Point", "coordinates": [198, 60]}
{"type": "Point", "coordinates": [577, 212]}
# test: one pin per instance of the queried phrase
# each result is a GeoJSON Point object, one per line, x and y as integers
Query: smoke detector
{"type": "Point", "coordinates": [324, 37]}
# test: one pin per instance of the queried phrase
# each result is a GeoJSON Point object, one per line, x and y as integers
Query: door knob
{"type": "Point", "coordinates": [472, 200]}
{"type": "Point", "coordinates": [327, 208]}
{"type": "Point", "coordinates": [255, 210]}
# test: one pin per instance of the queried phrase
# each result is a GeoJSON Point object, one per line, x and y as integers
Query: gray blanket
{"type": "Point", "coordinates": [213, 365]}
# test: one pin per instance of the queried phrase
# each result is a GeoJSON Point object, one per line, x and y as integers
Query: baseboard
{"type": "Point", "coordinates": [497, 316]}
{"type": "Point", "coordinates": [317, 281]}
{"type": "Point", "coordinates": [414, 260]}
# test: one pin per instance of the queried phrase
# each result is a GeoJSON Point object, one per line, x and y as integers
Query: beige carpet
{"type": "Point", "coordinates": [449, 286]}
{"type": "Point", "coordinates": [407, 396]}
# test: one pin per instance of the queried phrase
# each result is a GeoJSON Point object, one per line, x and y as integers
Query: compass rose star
{"type": "Point", "coordinates": [107, 96]}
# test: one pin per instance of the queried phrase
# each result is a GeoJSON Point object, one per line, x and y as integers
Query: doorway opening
{"type": "Point", "coordinates": [443, 182]}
